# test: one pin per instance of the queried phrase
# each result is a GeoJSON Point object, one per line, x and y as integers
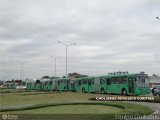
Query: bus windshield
{"type": "Point", "coordinates": [142, 81]}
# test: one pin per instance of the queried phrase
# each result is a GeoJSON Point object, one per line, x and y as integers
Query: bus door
{"type": "Point", "coordinates": [91, 85]}
{"type": "Point", "coordinates": [96, 83]}
{"type": "Point", "coordinates": [86, 85]}
{"type": "Point", "coordinates": [131, 86]}
{"type": "Point", "coordinates": [68, 83]}
{"type": "Point", "coordinates": [78, 84]}
{"type": "Point", "coordinates": [108, 85]}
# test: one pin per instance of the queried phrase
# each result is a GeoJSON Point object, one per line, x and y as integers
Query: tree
{"type": "Point", "coordinates": [45, 77]}
{"type": "Point", "coordinates": [54, 77]}
{"type": "Point", "coordinates": [76, 75]}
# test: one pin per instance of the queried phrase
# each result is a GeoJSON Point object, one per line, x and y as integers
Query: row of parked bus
{"type": "Point", "coordinates": [12, 85]}
{"type": "Point", "coordinates": [114, 83]}
{"type": "Point", "coordinates": [15, 85]}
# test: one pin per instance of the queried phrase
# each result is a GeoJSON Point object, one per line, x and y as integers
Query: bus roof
{"type": "Point", "coordinates": [116, 75]}
{"type": "Point", "coordinates": [63, 78]}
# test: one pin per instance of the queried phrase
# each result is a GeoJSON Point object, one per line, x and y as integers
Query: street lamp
{"type": "Point", "coordinates": [22, 69]}
{"type": "Point", "coordinates": [66, 45]}
{"type": "Point", "coordinates": [55, 64]}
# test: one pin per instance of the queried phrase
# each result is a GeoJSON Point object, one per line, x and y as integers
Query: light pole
{"type": "Point", "coordinates": [55, 64]}
{"type": "Point", "coordinates": [66, 45]}
{"type": "Point", "coordinates": [22, 69]}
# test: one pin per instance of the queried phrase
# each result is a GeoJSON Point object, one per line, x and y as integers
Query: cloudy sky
{"type": "Point", "coordinates": [110, 35]}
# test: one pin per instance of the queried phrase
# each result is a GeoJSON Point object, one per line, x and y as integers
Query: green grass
{"type": "Point", "coordinates": [72, 109]}
{"type": "Point", "coordinates": [83, 110]}
{"type": "Point", "coordinates": [3, 91]}
{"type": "Point", "coordinates": [66, 103]}
{"type": "Point", "coordinates": [10, 99]}
{"type": "Point", "coordinates": [35, 106]}
{"type": "Point", "coordinates": [123, 108]}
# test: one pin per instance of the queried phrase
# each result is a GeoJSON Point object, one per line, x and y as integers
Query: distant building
{"type": "Point", "coordinates": [154, 80]}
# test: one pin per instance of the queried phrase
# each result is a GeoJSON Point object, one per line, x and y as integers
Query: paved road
{"type": "Point", "coordinates": [155, 106]}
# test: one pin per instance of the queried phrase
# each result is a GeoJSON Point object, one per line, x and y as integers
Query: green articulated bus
{"type": "Point", "coordinates": [29, 85]}
{"type": "Point", "coordinates": [33, 86]}
{"type": "Point", "coordinates": [49, 85]}
{"type": "Point", "coordinates": [72, 85]}
{"type": "Point", "coordinates": [87, 84]}
{"type": "Point", "coordinates": [114, 83]}
{"type": "Point", "coordinates": [9, 85]}
{"type": "Point", "coordinates": [12, 85]}
{"type": "Point", "coordinates": [53, 84]}
{"type": "Point", "coordinates": [62, 84]}
{"type": "Point", "coordinates": [15, 85]}
{"type": "Point", "coordinates": [46, 85]}
{"type": "Point", "coordinates": [42, 85]}
{"type": "Point", "coordinates": [125, 84]}
{"type": "Point", "coordinates": [37, 85]}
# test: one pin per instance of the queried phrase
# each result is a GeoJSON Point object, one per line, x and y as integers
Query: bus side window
{"type": "Point", "coordinates": [108, 81]}
{"type": "Point", "coordinates": [85, 81]}
{"type": "Point", "coordinates": [82, 81]}
{"type": "Point", "coordinates": [51, 82]}
{"type": "Point", "coordinates": [68, 82]}
{"type": "Point", "coordinates": [89, 81]}
{"type": "Point", "coordinates": [102, 80]}
{"type": "Point", "coordinates": [92, 81]}
{"type": "Point", "coordinates": [124, 80]}
{"type": "Point", "coordinates": [113, 80]}
{"type": "Point", "coordinates": [119, 80]}
{"type": "Point", "coordinates": [79, 82]}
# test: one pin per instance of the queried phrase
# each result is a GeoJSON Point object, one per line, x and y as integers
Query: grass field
{"type": "Point", "coordinates": [64, 103]}
{"type": "Point", "coordinates": [41, 97]}
{"type": "Point", "coordinates": [74, 109]}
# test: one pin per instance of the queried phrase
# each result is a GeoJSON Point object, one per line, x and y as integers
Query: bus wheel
{"type": "Point", "coordinates": [102, 90]}
{"type": "Point", "coordinates": [83, 90]}
{"type": "Point", "coordinates": [124, 92]}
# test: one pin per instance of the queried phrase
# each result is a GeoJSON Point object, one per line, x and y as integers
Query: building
{"type": "Point", "coordinates": [154, 80]}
